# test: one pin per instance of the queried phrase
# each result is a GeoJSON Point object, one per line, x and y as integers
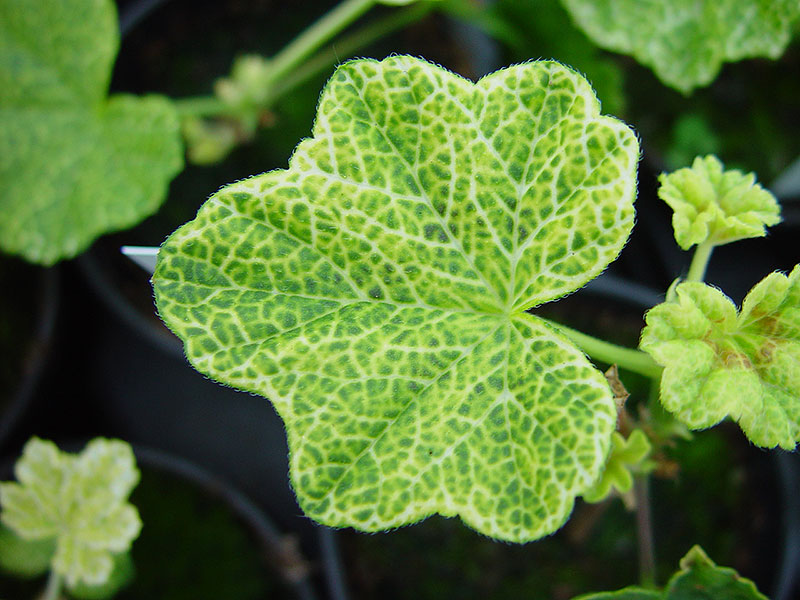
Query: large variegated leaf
{"type": "Point", "coordinates": [74, 164]}
{"type": "Point", "coordinates": [686, 42]}
{"type": "Point", "coordinates": [376, 292]}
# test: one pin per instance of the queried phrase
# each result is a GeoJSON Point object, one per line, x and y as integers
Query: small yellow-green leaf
{"type": "Point", "coordinates": [685, 42]}
{"type": "Point", "coordinates": [74, 164]}
{"type": "Point", "coordinates": [714, 205]}
{"type": "Point", "coordinates": [375, 291]}
{"type": "Point", "coordinates": [80, 501]}
{"type": "Point", "coordinates": [625, 455]}
{"type": "Point", "coordinates": [719, 364]}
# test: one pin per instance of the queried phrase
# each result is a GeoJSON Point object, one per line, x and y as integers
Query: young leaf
{"type": "Point", "coordinates": [628, 593]}
{"type": "Point", "coordinates": [376, 292]}
{"type": "Point", "coordinates": [81, 501]}
{"type": "Point", "coordinates": [685, 42]}
{"type": "Point", "coordinates": [718, 363]}
{"type": "Point", "coordinates": [617, 472]}
{"type": "Point", "coordinates": [698, 579]}
{"type": "Point", "coordinates": [74, 164]}
{"type": "Point", "coordinates": [717, 206]}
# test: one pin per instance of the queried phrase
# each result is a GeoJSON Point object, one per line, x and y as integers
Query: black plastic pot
{"type": "Point", "coordinates": [27, 290]}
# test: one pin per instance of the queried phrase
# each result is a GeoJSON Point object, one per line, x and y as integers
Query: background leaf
{"type": "Point", "coordinates": [80, 501]}
{"type": "Point", "coordinates": [74, 164]}
{"type": "Point", "coordinates": [683, 41]}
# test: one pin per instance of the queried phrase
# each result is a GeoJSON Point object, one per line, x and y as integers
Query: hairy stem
{"type": "Point", "coordinates": [702, 254]}
{"type": "Point", "coordinates": [317, 34]}
{"type": "Point", "coordinates": [626, 358]}
{"type": "Point", "coordinates": [200, 106]}
{"type": "Point", "coordinates": [53, 589]}
{"type": "Point", "coordinates": [347, 46]}
{"type": "Point", "coordinates": [644, 531]}
{"type": "Point", "coordinates": [209, 106]}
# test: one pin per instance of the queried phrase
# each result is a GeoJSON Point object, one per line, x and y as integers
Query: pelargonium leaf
{"type": "Point", "coordinates": [80, 501]}
{"type": "Point", "coordinates": [686, 42]}
{"type": "Point", "coordinates": [625, 454]}
{"type": "Point", "coordinates": [715, 205]}
{"type": "Point", "coordinates": [719, 363]}
{"type": "Point", "coordinates": [698, 579]}
{"type": "Point", "coordinates": [628, 593]}
{"type": "Point", "coordinates": [376, 291]}
{"type": "Point", "coordinates": [74, 163]}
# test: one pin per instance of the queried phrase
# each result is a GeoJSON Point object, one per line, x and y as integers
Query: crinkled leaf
{"type": "Point", "coordinates": [718, 363]}
{"type": "Point", "coordinates": [24, 558]}
{"type": "Point", "coordinates": [701, 579]}
{"type": "Point", "coordinates": [375, 292]}
{"type": "Point", "coordinates": [625, 455]}
{"type": "Point", "coordinates": [717, 206]}
{"type": "Point", "coordinates": [73, 163]}
{"type": "Point", "coordinates": [685, 42]}
{"type": "Point", "coordinates": [80, 500]}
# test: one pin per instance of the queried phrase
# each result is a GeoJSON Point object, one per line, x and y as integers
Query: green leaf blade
{"type": "Point", "coordinates": [44, 70]}
{"type": "Point", "coordinates": [373, 292]}
{"type": "Point", "coordinates": [686, 42]}
{"type": "Point", "coordinates": [719, 363]}
{"type": "Point", "coordinates": [74, 163]}
{"type": "Point", "coordinates": [699, 578]}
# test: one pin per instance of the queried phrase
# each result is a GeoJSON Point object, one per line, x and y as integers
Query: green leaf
{"type": "Point", "coordinates": [74, 164]}
{"type": "Point", "coordinates": [685, 42]}
{"type": "Point", "coordinates": [701, 579]}
{"type": "Point", "coordinates": [698, 579]}
{"type": "Point", "coordinates": [24, 558]}
{"type": "Point", "coordinates": [628, 593]}
{"type": "Point", "coordinates": [81, 501]}
{"type": "Point", "coordinates": [719, 364]}
{"type": "Point", "coordinates": [625, 454]}
{"type": "Point", "coordinates": [716, 206]}
{"type": "Point", "coordinates": [376, 291]}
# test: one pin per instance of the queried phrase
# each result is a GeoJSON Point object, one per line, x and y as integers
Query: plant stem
{"type": "Point", "coordinates": [289, 76]}
{"type": "Point", "coordinates": [348, 45]}
{"type": "Point", "coordinates": [702, 254]}
{"type": "Point", "coordinates": [644, 531]}
{"type": "Point", "coordinates": [53, 589]}
{"type": "Point", "coordinates": [626, 358]}
{"type": "Point", "coordinates": [199, 106]}
{"type": "Point", "coordinates": [317, 34]}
